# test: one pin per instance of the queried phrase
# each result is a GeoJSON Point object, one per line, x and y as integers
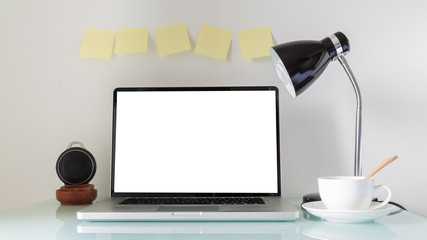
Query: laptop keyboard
{"type": "Point", "coordinates": [192, 201]}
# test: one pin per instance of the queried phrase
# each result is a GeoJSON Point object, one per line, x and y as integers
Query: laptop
{"type": "Point", "coordinates": [194, 154]}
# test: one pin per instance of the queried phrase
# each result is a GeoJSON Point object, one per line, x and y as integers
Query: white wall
{"type": "Point", "coordinates": [50, 96]}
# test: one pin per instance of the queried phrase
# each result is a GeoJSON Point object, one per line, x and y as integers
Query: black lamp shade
{"type": "Point", "coordinates": [298, 64]}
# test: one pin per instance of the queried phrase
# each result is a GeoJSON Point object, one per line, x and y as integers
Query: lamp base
{"type": "Point", "coordinates": [311, 197]}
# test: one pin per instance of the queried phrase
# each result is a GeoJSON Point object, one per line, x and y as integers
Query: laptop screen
{"type": "Point", "coordinates": [195, 141]}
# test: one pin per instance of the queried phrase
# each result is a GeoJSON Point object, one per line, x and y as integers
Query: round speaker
{"type": "Point", "coordinates": [76, 165]}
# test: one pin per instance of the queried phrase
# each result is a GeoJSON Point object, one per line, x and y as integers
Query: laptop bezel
{"type": "Point", "coordinates": [222, 88]}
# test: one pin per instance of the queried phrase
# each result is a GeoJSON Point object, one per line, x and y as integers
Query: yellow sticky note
{"type": "Point", "coordinates": [131, 40]}
{"type": "Point", "coordinates": [213, 42]}
{"type": "Point", "coordinates": [97, 43]}
{"type": "Point", "coordinates": [172, 39]}
{"type": "Point", "coordinates": [255, 42]}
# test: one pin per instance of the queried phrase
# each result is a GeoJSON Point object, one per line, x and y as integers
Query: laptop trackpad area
{"type": "Point", "coordinates": [188, 209]}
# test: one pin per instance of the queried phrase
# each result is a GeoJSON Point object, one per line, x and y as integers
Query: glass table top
{"type": "Point", "coordinates": [48, 220]}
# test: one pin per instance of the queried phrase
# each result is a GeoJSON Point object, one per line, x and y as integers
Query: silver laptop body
{"type": "Point", "coordinates": [194, 154]}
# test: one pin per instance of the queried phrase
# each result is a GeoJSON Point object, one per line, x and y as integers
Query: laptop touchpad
{"type": "Point", "coordinates": [188, 209]}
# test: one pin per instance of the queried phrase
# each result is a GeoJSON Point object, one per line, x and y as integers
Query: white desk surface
{"type": "Point", "coordinates": [48, 220]}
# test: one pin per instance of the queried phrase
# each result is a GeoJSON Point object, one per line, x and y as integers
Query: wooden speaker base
{"type": "Point", "coordinates": [76, 194]}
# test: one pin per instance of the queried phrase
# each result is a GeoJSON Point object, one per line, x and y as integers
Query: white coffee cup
{"type": "Point", "coordinates": [347, 193]}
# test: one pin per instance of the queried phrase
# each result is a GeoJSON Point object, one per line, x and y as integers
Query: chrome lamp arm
{"type": "Point", "coordinates": [358, 139]}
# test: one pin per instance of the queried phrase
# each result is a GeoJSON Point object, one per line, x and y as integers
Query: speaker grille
{"type": "Point", "coordinates": [76, 166]}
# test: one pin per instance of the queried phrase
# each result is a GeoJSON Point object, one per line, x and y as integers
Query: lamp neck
{"type": "Point", "coordinates": [350, 75]}
{"type": "Point", "coordinates": [357, 162]}
{"type": "Point", "coordinates": [340, 47]}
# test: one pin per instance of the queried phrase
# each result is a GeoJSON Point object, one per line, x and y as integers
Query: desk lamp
{"type": "Point", "coordinates": [298, 64]}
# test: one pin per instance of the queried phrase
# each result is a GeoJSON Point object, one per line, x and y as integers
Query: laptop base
{"type": "Point", "coordinates": [275, 209]}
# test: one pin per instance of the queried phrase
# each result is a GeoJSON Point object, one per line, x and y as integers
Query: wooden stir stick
{"type": "Point", "coordinates": [381, 166]}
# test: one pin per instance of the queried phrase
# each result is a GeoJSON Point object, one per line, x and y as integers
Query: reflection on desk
{"type": "Point", "coordinates": [332, 230]}
{"type": "Point", "coordinates": [48, 220]}
{"type": "Point", "coordinates": [193, 230]}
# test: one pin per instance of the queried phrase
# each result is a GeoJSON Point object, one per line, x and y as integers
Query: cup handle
{"type": "Point", "coordinates": [386, 200]}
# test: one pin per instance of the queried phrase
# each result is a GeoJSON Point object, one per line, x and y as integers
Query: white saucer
{"type": "Point", "coordinates": [318, 209]}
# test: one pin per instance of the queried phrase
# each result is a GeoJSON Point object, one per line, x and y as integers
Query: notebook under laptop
{"type": "Point", "coordinates": [194, 153]}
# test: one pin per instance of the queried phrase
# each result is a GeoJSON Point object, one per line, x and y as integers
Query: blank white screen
{"type": "Point", "coordinates": [196, 142]}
